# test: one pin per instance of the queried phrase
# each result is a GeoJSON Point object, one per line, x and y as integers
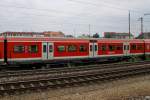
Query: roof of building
{"type": "Point", "coordinates": [53, 33]}
{"type": "Point", "coordinates": [144, 35]}
{"type": "Point", "coordinates": [116, 34]}
{"type": "Point", "coordinates": [21, 32]}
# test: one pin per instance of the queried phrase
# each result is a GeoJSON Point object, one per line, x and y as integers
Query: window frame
{"type": "Point", "coordinates": [112, 49]}
{"type": "Point", "coordinates": [19, 51]}
{"type": "Point", "coordinates": [69, 46]}
{"type": "Point", "coordinates": [58, 48]}
{"type": "Point", "coordinates": [119, 47]}
{"type": "Point", "coordinates": [84, 48]}
{"type": "Point", "coordinates": [30, 51]}
{"type": "Point", "coordinates": [133, 47]}
{"type": "Point", "coordinates": [104, 47]}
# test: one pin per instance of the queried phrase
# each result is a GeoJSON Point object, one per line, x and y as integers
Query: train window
{"type": "Point", "coordinates": [127, 47]}
{"type": "Point", "coordinates": [111, 47]}
{"type": "Point", "coordinates": [95, 47]}
{"type": "Point", "coordinates": [91, 48]}
{"type": "Point", "coordinates": [133, 47]}
{"type": "Point", "coordinates": [50, 48]}
{"type": "Point", "coordinates": [33, 49]}
{"type": "Point", "coordinates": [61, 48]}
{"type": "Point", "coordinates": [99, 47]}
{"type": "Point", "coordinates": [72, 48]}
{"type": "Point", "coordinates": [19, 49]}
{"type": "Point", "coordinates": [103, 47]}
{"type": "Point", "coordinates": [139, 47]}
{"type": "Point", "coordinates": [119, 47]}
{"type": "Point", "coordinates": [83, 48]}
{"type": "Point", "coordinates": [44, 48]}
{"type": "Point", "coordinates": [124, 47]}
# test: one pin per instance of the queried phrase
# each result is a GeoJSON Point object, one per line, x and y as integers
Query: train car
{"type": "Point", "coordinates": [33, 50]}
{"type": "Point", "coordinates": [50, 50]}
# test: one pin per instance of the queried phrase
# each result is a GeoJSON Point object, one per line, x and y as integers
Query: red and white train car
{"type": "Point", "coordinates": [54, 49]}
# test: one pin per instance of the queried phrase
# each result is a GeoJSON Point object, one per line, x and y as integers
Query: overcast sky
{"type": "Point", "coordinates": [73, 16]}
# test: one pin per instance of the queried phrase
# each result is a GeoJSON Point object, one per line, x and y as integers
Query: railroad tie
{"type": "Point", "coordinates": [41, 84]}
{"type": "Point", "coordinates": [74, 80]}
{"type": "Point", "coordinates": [87, 78]}
{"type": "Point", "coordinates": [31, 85]}
{"type": "Point", "coordinates": [94, 77]}
{"type": "Point", "coordinates": [50, 83]}
{"type": "Point", "coordinates": [22, 86]}
{"type": "Point", "coordinates": [2, 88]}
{"type": "Point", "coordinates": [12, 87]}
{"type": "Point", "coordinates": [58, 82]}
{"type": "Point", "coordinates": [81, 79]}
{"type": "Point", "coordinates": [66, 81]}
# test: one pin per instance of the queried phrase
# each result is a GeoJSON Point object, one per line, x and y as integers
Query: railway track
{"type": "Point", "coordinates": [6, 74]}
{"type": "Point", "coordinates": [63, 77]}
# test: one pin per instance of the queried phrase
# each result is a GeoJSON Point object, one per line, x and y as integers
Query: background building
{"type": "Point", "coordinates": [117, 35]}
{"type": "Point", "coordinates": [22, 34]}
{"type": "Point", "coordinates": [33, 34]}
{"type": "Point", "coordinates": [145, 35]}
{"type": "Point", "coordinates": [53, 34]}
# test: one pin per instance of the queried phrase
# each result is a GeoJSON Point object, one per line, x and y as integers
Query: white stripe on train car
{"type": "Point", "coordinates": [72, 57]}
{"type": "Point", "coordinates": [23, 59]}
{"type": "Point", "coordinates": [136, 53]}
{"type": "Point", "coordinates": [147, 53]}
{"type": "Point", "coordinates": [110, 55]}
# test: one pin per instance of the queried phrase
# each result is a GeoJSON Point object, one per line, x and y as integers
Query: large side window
{"type": "Point", "coordinates": [44, 48]}
{"type": "Point", "coordinates": [91, 48]}
{"type": "Point", "coordinates": [33, 49]}
{"type": "Point", "coordinates": [72, 48]}
{"type": "Point", "coordinates": [95, 47]}
{"type": "Point", "coordinates": [83, 48]}
{"type": "Point", "coordinates": [61, 48]}
{"type": "Point", "coordinates": [139, 47]}
{"type": "Point", "coordinates": [19, 49]}
{"type": "Point", "coordinates": [119, 47]}
{"type": "Point", "coordinates": [133, 47]}
{"type": "Point", "coordinates": [111, 47]}
{"type": "Point", "coordinates": [103, 47]}
{"type": "Point", "coordinates": [50, 48]}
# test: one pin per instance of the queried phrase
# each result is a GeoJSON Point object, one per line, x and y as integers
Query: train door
{"type": "Point", "coordinates": [93, 50]}
{"type": "Point", "coordinates": [126, 48]}
{"type": "Point", "coordinates": [44, 51]}
{"type": "Point", "coordinates": [50, 50]}
{"type": "Point", "coordinates": [90, 49]}
{"type": "Point", "coordinates": [95, 47]}
{"type": "Point", "coordinates": [47, 51]}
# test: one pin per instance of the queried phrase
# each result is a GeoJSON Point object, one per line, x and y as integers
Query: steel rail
{"type": "Point", "coordinates": [7, 74]}
{"type": "Point", "coordinates": [74, 78]}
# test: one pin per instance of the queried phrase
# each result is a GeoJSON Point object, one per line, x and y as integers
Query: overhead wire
{"type": "Point", "coordinates": [106, 5]}
{"type": "Point", "coordinates": [58, 12]}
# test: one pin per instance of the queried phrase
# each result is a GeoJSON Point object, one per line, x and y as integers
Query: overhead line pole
{"type": "Point", "coordinates": [141, 19]}
{"type": "Point", "coordinates": [146, 14]}
{"type": "Point", "coordinates": [89, 30]}
{"type": "Point", "coordinates": [129, 26]}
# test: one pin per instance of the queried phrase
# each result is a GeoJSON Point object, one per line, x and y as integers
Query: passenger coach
{"type": "Point", "coordinates": [47, 50]}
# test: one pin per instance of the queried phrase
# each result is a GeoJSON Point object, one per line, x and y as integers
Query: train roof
{"type": "Point", "coordinates": [102, 40]}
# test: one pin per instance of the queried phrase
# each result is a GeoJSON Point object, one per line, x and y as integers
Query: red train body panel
{"type": "Point", "coordinates": [26, 53]}
{"type": "Point", "coordinates": [73, 52]}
